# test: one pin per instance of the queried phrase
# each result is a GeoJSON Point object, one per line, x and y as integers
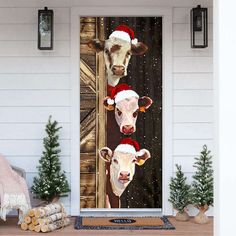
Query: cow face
{"type": "Point", "coordinates": [126, 112]}
{"type": "Point", "coordinates": [117, 53]}
{"type": "Point", "coordinates": [122, 167]}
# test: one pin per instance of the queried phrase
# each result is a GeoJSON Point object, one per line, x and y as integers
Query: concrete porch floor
{"type": "Point", "coordinates": [182, 229]}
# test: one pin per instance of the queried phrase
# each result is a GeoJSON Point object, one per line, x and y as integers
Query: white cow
{"type": "Point", "coordinates": [118, 49]}
{"type": "Point", "coordinates": [121, 169]}
{"type": "Point", "coordinates": [127, 104]}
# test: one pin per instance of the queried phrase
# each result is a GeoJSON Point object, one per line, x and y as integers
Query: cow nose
{"type": "Point", "coordinates": [118, 70]}
{"type": "Point", "coordinates": [127, 129]}
{"type": "Point", "coordinates": [124, 174]}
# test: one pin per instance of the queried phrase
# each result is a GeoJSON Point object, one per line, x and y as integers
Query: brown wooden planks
{"type": "Point", "coordinates": [87, 202]}
{"type": "Point", "coordinates": [87, 184]}
{"type": "Point", "coordinates": [87, 163]}
{"type": "Point", "coordinates": [88, 114]}
{"type": "Point", "coordinates": [87, 76]}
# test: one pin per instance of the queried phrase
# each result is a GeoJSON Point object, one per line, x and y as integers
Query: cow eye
{"type": "Point", "coordinates": [106, 51]}
{"type": "Point", "coordinates": [135, 114]}
{"type": "Point", "coordinates": [115, 161]}
{"type": "Point", "coordinates": [128, 53]}
{"type": "Point", "coordinates": [134, 160]}
{"type": "Point", "coordinates": [119, 112]}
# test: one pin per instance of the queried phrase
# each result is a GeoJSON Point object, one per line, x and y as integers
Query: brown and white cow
{"type": "Point", "coordinates": [126, 104]}
{"type": "Point", "coordinates": [120, 168]}
{"type": "Point", "coordinates": [117, 50]}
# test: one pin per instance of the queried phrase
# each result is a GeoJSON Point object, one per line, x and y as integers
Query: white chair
{"type": "Point", "coordinates": [19, 171]}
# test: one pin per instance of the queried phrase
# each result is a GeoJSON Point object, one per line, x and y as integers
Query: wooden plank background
{"type": "Point", "coordinates": [88, 114]}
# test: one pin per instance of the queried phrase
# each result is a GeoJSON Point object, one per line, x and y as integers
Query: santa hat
{"type": "Point", "coordinates": [128, 145]}
{"type": "Point", "coordinates": [121, 92]}
{"type": "Point", "coordinates": [125, 33]}
{"type": "Point", "coordinates": [109, 89]}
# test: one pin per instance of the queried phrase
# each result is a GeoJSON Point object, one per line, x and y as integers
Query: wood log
{"type": "Point", "coordinates": [24, 226]}
{"type": "Point", "coordinates": [38, 212]}
{"type": "Point", "coordinates": [37, 228]}
{"type": "Point", "coordinates": [48, 210]}
{"type": "Point", "coordinates": [27, 219]}
{"type": "Point", "coordinates": [31, 227]}
{"type": "Point", "coordinates": [34, 221]}
{"type": "Point", "coordinates": [31, 213]}
{"type": "Point", "coordinates": [50, 219]}
{"type": "Point", "coordinates": [55, 225]}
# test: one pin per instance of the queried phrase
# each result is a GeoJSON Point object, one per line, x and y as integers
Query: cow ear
{"type": "Point", "coordinates": [106, 154]}
{"type": "Point", "coordinates": [144, 103]}
{"type": "Point", "coordinates": [142, 156]}
{"type": "Point", "coordinates": [96, 44]}
{"type": "Point", "coordinates": [109, 107]}
{"type": "Point", "coordinates": [139, 48]}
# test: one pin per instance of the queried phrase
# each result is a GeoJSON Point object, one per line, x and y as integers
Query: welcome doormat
{"type": "Point", "coordinates": [125, 223]}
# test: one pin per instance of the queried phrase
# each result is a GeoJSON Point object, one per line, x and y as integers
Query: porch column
{"type": "Point", "coordinates": [225, 101]}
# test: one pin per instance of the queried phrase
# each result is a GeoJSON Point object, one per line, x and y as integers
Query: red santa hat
{"type": "Point", "coordinates": [121, 92]}
{"type": "Point", "coordinates": [128, 145]}
{"type": "Point", "coordinates": [125, 33]}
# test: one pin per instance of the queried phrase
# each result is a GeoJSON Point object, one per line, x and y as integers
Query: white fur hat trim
{"type": "Point", "coordinates": [140, 153]}
{"type": "Point", "coordinates": [126, 148]}
{"type": "Point", "coordinates": [121, 35]}
{"type": "Point", "coordinates": [125, 94]}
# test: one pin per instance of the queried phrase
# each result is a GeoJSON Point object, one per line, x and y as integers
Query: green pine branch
{"type": "Point", "coordinates": [51, 181]}
{"type": "Point", "coordinates": [202, 185]}
{"type": "Point", "coordinates": [179, 191]}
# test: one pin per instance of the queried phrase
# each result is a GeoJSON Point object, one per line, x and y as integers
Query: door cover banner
{"type": "Point", "coordinates": [121, 112]}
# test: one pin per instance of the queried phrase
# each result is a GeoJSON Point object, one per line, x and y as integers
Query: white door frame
{"type": "Point", "coordinates": [166, 14]}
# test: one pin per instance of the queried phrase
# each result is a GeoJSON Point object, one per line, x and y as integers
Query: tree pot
{"type": "Point", "coordinates": [55, 199]}
{"type": "Point", "coordinates": [182, 216]}
{"type": "Point", "coordinates": [201, 217]}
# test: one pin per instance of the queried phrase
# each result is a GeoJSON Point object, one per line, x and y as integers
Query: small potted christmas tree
{"type": "Point", "coordinates": [202, 186]}
{"type": "Point", "coordinates": [51, 182]}
{"type": "Point", "coordinates": [180, 194]}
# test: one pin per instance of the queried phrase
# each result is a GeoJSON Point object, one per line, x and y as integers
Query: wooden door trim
{"type": "Point", "coordinates": [101, 88]}
{"type": "Point", "coordinates": [166, 13]}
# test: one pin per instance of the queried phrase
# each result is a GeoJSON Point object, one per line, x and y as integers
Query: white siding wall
{"type": "Point", "coordinates": [35, 84]}
{"type": "Point", "coordinates": [192, 93]}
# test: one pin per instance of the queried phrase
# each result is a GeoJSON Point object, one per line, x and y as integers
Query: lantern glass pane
{"type": "Point", "coordinates": [199, 34]}
{"type": "Point", "coordinates": [45, 30]}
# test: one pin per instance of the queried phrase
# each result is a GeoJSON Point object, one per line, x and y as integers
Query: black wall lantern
{"type": "Point", "coordinates": [45, 29]}
{"type": "Point", "coordinates": [199, 27]}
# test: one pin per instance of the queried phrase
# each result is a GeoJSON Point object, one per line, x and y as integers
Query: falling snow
{"type": "Point", "coordinates": [144, 75]}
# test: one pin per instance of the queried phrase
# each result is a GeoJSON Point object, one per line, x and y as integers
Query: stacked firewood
{"type": "Point", "coordinates": [46, 219]}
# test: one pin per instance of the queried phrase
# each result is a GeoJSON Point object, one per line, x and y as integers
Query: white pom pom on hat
{"type": "Point", "coordinates": [110, 101]}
